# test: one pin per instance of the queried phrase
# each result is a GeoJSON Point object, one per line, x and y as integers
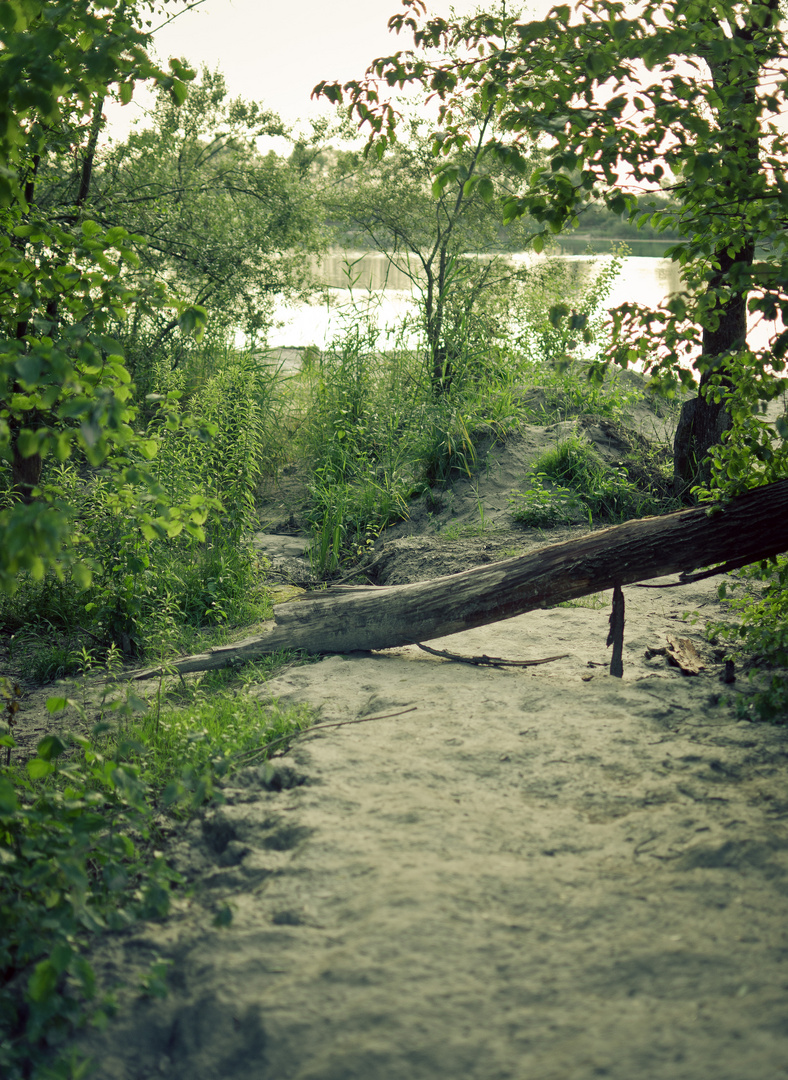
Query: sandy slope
{"type": "Point", "coordinates": [537, 874]}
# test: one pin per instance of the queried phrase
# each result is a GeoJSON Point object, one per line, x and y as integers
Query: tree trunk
{"type": "Point", "coordinates": [703, 421]}
{"type": "Point", "coordinates": [347, 619]}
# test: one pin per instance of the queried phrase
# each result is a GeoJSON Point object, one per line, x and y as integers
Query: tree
{"type": "Point", "coordinates": [226, 226]}
{"type": "Point", "coordinates": [63, 384]}
{"type": "Point", "coordinates": [427, 226]}
{"type": "Point", "coordinates": [680, 96]}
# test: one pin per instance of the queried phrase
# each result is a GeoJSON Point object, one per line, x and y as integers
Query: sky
{"type": "Point", "coordinates": [275, 51]}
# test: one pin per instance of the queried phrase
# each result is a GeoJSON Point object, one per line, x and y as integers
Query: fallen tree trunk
{"type": "Point", "coordinates": [359, 618]}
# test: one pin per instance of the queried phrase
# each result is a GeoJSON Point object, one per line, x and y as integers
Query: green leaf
{"type": "Point", "coordinates": [30, 368]}
{"type": "Point", "coordinates": [56, 704]}
{"type": "Point", "coordinates": [179, 91]}
{"type": "Point", "coordinates": [82, 575]}
{"type": "Point", "coordinates": [193, 319]}
{"type": "Point", "coordinates": [50, 747]}
{"type": "Point", "coordinates": [8, 801]}
{"type": "Point", "coordinates": [557, 313]}
{"type": "Point", "coordinates": [486, 189]}
{"type": "Point", "coordinates": [43, 981]}
{"type": "Point", "coordinates": [61, 957]}
{"type": "Point", "coordinates": [596, 63]}
{"type": "Point", "coordinates": [38, 769]}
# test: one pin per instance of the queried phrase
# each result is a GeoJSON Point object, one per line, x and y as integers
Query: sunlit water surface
{"type": "Point", "coordinates": [365, 282]}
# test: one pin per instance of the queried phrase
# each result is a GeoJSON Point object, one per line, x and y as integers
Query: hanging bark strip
{"type": "Point", "coordinates": [350, 619]}
{"type": "Point", "coordinates": [616, 635]}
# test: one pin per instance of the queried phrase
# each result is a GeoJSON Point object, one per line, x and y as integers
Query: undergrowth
{"type": "Point", "coordinates": [756, 631]}
{"type": "Point", "coordinates": [572, 477]}
{"type": "Point", "coordinates": [81, 836]}
{"type": "Point", "coordinates": [376, 433]}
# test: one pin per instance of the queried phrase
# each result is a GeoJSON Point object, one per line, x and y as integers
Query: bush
{"type": "Point", "coordinates": [759, 598]}
{"type": "Point", "coordinates": [80, 839]}
{"type": "Point", "coordinates": [579, 477]}
{"type": "Point", "coordinates": [153, 573]}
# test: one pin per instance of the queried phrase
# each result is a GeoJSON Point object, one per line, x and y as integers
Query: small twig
{"type": "Point", "coordinates": [251, 754]}
{"type": "Point", "coordinates": [489, 661]}
{"type": "Point", "coordinates": [98, 640]}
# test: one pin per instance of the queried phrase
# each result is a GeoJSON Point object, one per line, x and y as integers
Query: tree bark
{"type": "Point", "coordinates": [703, 421]}
{"type": "Point", "coordinates": [352, 618]}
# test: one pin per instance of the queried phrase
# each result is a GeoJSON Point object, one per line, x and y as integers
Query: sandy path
{"type": "Point", "coordinates": [535, 874]}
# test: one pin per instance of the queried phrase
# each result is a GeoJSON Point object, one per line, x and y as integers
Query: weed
{"type": "Point", "coordinates": [594, 602]}
{"type": "Point", "coordinates": [540, 507]}
{"type": "Point", "coordinates": [79, 842]}
{"type": "Point", "coordinates": [458, 531]}
{"type": "Point", "coordinates": [605, 490]}
{"type": "Point", "coordinates": [757, 597]}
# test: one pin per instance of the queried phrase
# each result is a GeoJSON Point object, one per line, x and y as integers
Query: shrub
{"type": "Point", "coordinates": [758, 597]}
{"type": "Point", "coordinates": [80, 845]}
{"type": "Point", "coordinates": [572, 475]}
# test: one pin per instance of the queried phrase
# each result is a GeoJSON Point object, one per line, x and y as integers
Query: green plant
{"type": "Point", "coordinates": [594, 602]}
{"type": "Point", "coordinates": [754, 451]}
{"type": "Point", "coordinates": [540, 507]}
{"type": "Point", "coordinates": [605, 490]}
{"type": "Point", "coordinates": [228, 226]}
{"type": "Point", "coordinates": [80, 841]}
{"type": "Point", "coordinates": [426, 221]}
{"type": "Point", "coordinates": [64, 388]}
{"type": "Point", "coordinates": [187, 748]}
{"type": "Point", "coordinates": [757, 598]}
{"type": "Point", "coordinates": [561, 324]}
{"type": "Point", "coordinates": [75, 830]}
{"type": "Point", "coordinates": [665, 90]}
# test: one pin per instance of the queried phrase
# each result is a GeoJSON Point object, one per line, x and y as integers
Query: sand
{"type": "Point", "coordinates": [540, 874]}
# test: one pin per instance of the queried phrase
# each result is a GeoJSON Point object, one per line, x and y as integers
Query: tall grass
{"type": "Point", "coordinates": [153, 575]}
{"type": "Point", "coordinates": [375, 433]}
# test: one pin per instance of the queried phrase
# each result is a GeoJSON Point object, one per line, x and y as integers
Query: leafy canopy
{"type": "Point", "coordinates": [224, 224]}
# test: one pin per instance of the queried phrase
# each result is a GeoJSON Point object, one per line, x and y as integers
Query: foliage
{"type": "Point", "coordinates": [79, 846]}
{"type": "Point", "coordinates": [376, 435]}
{"type": "Point", "coordinates": [578, 477]}
{"type": "Point", "coordinates": [443, 233]}
{"type": "Point", "coordinates": [628, 100]}
{"type": "Point", "coordinates": [542, 507]}
{"type": "Point", "coordinates": [154, 578]}
{"type": "Point", "coordinates": [559, 316]}
{"type": "Point", "coordinates": [757, 599]}
{"type": "Point", "coordinates": [64, 389]}
{"type": "Point", "coordinates": [358, 483]}
{"type": "Point", "coordinates": [226, 226]}
{"type": "Point", "coordinates": [755, 449]}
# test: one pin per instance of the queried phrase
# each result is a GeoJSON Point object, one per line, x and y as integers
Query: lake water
{"type": "Point", "coordinates": [365, 281]}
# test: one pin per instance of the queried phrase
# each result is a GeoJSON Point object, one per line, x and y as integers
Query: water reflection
{"type": "Point", "coordinates": [369, 281]}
